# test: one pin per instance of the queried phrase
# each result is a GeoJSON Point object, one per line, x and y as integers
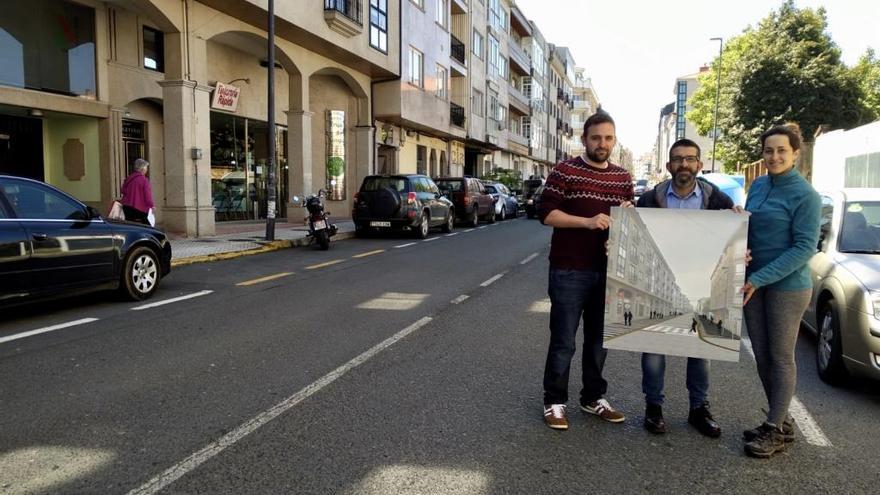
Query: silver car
{"type": "Point", "coordinates": [845, 308]}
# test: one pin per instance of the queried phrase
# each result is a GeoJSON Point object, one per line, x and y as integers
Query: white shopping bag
{"type": "Point", "coordinates": [116, 212]}
{"type": "Point", "coordinates": [151, 218]}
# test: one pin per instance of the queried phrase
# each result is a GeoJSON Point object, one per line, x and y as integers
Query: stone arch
{"type": "Point", "coordinates": [364, 117]}
{"type": "Point", "coordinates": [444, 165]}
{"type": "Point", "coordinates": [432, 164]}
{"type": "Point", "coordinates": [167, 15]}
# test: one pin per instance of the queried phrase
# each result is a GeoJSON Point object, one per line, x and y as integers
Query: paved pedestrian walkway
{"type": "Point", "coordinates": [244, 238]}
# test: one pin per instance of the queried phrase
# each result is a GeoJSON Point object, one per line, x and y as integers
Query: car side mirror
{"type": "Point", "coordinates": [437, 195]}
{"type": "Point", "coordinates": [92, 213]}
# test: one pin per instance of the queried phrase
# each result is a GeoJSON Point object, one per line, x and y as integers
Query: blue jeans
{"type": "Point", "coordinates": [575, 294]}
{"type": "Point", "coordinates": [654, 369]}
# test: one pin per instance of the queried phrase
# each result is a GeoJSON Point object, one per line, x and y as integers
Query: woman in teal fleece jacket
{"type": "Point", "coordinates": [783, 235]}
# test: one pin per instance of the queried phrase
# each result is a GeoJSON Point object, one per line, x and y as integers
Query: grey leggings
{"type": "Point", "coordinates": [773, 318]}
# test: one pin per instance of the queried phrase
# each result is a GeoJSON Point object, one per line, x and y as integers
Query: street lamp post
{"type": "Point", "coordinates": [717, 98]}
{"type": "Point", "coordinates": [270, 163]}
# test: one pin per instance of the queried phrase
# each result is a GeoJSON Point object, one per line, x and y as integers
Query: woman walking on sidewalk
{"type": "Point", "coordinates": [783, 234]}
{"type": "Point", "coordinates": [137, 195]}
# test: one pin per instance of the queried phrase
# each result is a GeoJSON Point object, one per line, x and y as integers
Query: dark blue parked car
{"type": "Point", "coordinates": [53, 245]}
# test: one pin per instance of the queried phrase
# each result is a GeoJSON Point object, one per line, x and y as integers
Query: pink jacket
{"type": "Point", "coordinates": [137, 193]}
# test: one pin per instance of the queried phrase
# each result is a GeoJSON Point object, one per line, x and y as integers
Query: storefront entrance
{"type": "Point", "coordinates": [239, 174]}
{"type": "Point", "coordinates": [21, 146]}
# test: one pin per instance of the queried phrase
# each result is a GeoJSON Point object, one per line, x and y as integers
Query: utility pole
{"type": "Point", "coordinates": [270, 133]}
{"type": "Point", "coordinates": [717, 98]}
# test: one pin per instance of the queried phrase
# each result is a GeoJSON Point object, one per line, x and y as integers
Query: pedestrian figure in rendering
{"type": "Point", "coordinates": [720, 325]}
{"type": "Point", "coordinates": [783, 234]}
{"type": "Point", "coordinates": [576, 202]}
{"type": "Point", "coordinates": [684, 190]}
{"type": "Point", "coordinates": [627, 318]}
{"type": "Point", "coordinates": [137, 195]}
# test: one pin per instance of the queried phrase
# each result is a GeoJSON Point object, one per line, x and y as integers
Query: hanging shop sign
{"type": "Point", "coordinates": [225, 97]}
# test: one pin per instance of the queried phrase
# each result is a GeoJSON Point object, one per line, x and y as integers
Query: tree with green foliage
{"type": "Point", "coordinates": [867, 73]}
{"type": "Point", "coordinates": [510, 178]}
{"type": "Point", "coordinates": [787, 69]}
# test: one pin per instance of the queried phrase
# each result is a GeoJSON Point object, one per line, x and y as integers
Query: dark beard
{"type": "Point", "coordinates": [683, 179]}
{"type": "Point", "coordinates": [594, 157]}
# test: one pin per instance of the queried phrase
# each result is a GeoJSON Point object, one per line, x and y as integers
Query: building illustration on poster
{"type": "Point", "coordinates": [673, 282]}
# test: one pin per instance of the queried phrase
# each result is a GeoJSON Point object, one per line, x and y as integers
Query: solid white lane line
{"type": "Point", "coordinates": [47, 329]}
{"type": "Point", "coordinates": [172, 300]}
{"type": "Point", "coordinates": [429, 239]}
{"type": "Point", "coordinates": [452, 234]}
{"type": "Point", "coordinates": [529, 258]}
{"type": "Point", "coordinates": [491, 280]}
{"type": "Point", "coordinates": [482, 226]}
{"type": "Point", "coordinates": [469, 230]}
{"type": "Point", "coordinates": [196, 459]}
{"type": "Point", "coordinates": [405, 245]}
{"type": "Point", "coordinates": [808, 426]}
{"type": "Point", "coordinates": [460, 299]}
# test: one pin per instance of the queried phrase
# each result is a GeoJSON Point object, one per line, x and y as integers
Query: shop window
{"type": "Point", "coordinates": [48, 45]}
{"type": "Point", "coordinates": [154, 49]}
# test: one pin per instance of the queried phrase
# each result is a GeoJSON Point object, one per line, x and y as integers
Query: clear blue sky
{"type": "Point", "coordinates": [633, 50]}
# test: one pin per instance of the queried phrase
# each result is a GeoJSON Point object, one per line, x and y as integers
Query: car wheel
{"type": "Point", "coordinates": [450, 222]}
{"type": "Point", "coordinates": [424, 226]}
{"type": "Point", "coordinates": [140, 274]}
{"type": "Point", "coordinates": [829, 352]}
{"type": "Point", "coordinates": [476, 220]}
{"type": "Point", "coordinates": [503, 215]}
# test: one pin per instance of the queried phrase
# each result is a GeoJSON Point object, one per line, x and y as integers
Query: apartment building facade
{"type": "Point", "coordinates": [442, 87]}
{"type": "Point", "coordinates": [183, 84]}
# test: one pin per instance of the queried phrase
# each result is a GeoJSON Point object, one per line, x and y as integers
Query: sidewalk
{"type": "Point", "coordinates": [234, 239]}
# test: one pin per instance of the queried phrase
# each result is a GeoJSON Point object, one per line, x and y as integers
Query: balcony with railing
{"type": "Point", "coordinates": [518, 100]}
{"type": "Point", "coordinates": [344, 16]}
{"type": "Point", "coordinates": [518, 57]}
{"type": "Point", "coordinates": [456, 115]}
{"type": "Point", "coordinates": [457, 50]}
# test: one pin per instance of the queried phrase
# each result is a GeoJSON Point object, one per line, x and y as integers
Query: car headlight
{"type": "Point", "coordinates": [872, 302]}
{"type": "Point", "coordinates": [530, 202]}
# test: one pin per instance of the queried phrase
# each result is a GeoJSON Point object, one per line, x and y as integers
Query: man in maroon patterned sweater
{"type": "Point", "coordinates": [576, 202]}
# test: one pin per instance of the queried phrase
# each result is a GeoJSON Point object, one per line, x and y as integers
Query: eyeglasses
{"type": "Point", "coordinates": [678, 160]}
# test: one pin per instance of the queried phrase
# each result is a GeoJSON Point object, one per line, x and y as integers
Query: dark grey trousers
{"type": "Point", "coordinates": [773, 319]}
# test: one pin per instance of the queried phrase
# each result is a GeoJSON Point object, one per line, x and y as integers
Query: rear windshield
{"type": "Point", "coordinates": [491, 189]}
{"type": "Point", "coordinates": [452, 185]}
{"type": "Point", "coordinates": [376, 183]}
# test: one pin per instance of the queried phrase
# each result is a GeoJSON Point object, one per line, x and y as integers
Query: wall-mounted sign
{"type": "Point", "coordinates": [225, 97]}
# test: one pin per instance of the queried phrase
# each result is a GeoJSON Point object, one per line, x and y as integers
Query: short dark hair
{"type": "Point", "coordinates": [600, 117]}
{"type": "Point", "coordinates": [789, 129]}
{"type": "Point", "coordinates": [685, 142]}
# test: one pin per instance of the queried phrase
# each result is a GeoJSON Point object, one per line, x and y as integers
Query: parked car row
{"type": "Point", "coordinates": [416, 203]}
{"type": "Point", "coordinates": [52, 245]}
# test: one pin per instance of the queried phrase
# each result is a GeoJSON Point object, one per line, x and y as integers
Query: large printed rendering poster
{"type": "Point", "coordinates": [673, 282]}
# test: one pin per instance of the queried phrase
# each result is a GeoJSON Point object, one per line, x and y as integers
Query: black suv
{"type": "Point", "coordinates": [410, 203]}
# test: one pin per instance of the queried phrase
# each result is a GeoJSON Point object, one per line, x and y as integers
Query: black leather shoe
{"type": "Point", "coordinates": [654, 421]}
{"type": "Point", "coordinates": [701, 419]}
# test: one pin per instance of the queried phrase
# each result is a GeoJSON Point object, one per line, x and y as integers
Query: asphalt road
{"type": "Point", "coordinates": [365, 369]}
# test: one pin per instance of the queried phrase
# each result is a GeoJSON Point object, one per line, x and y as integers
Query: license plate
{"type": "Point", "coordinates": [380, 224]}
{"type": "Point", "coordinates": [320, 225]}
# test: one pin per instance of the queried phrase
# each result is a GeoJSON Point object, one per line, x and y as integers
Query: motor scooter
{"type": "Point", "coordinates": [321, 229]}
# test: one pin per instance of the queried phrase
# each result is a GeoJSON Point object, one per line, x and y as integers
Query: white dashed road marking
{"type": "Point", "coordinates": [405, 245]}
{"type": "Point", "coordinates": [452, 234]}
{"type": "Point", "coordinates": [172, 300]}
{"type": "Point", "coordinates": [460, 299]}
{"type": "Point", "coordinates": [196, 459]}
{"type": "Point", "coordinates": [529, 258]}
{"type": "Point", "coordinates": [491, 280]}
{"type": "Point", "coordinates": [469, 230]}
{"type": "Point", "coordinates": [52, 328]}
{"type": "Point", "coordinates": [430, 239]}
{"type": "Point", "coordinates": [808, 426]}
